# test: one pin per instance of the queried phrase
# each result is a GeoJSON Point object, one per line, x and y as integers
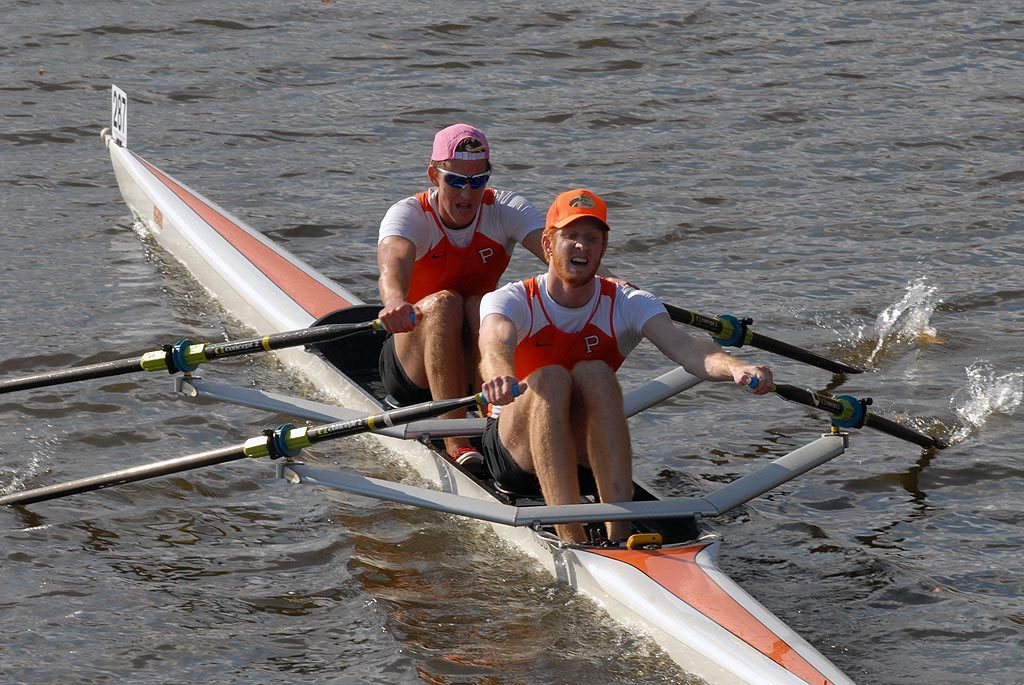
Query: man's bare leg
{"type": "Point", "coordinates": [433, 353]}
{"type": "Point", "coordinates": [536, 431]}
{"type": "Point", "coordinates": [597, 400]}
{"type": "Point", "coordinates": [471, 336]}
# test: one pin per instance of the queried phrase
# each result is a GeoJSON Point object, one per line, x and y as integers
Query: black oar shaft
{"type": "Point", "coordinates": [42, 380]}
{"type": "Point", "coordinates": [186, 356]}
{"type": "Point", "coordinates": [784, 349]}
{"type": "Point", "coordinates": [290, 440]}
{"type": "Point", "coordinates": [842, 408]}
{"type": "Point", "coordinates": [394, 417]}
{"type": "Point", "coordinates": [685, 316]}
{"type": "Point", "coordinates": [880, 423]}
{"type": "Point", "coordinates": [809, 398]}
{"type": "Point", "coordinates": [717, 327]}
{"type": "Point", "coordinates": [129, 475]}
{"type": "Point", "coordinates": [279, 341]}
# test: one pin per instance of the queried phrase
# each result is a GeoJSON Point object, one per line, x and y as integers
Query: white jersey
{"type": "Point", "coordinates": [508, 221]}
{"type": "Point", "coordinates": [631, 310]}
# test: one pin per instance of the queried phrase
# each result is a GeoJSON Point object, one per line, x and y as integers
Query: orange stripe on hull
{"type": "Point", "coordinates": [677, 571]}
{"type": "Point", "coordinates": [309, 293]}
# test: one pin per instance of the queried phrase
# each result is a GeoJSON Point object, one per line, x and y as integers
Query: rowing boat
{"type": "Point", "coordinates": [671, 589]}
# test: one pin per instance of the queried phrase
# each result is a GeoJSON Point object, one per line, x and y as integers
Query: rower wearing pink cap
{"type": "Point", "coordinates": [439, 252]}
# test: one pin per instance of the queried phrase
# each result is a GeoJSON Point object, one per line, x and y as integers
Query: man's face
{"type": "Point", "coordinates": [458, 206]}
{"type": "Point", "coordinates": [576, 250]}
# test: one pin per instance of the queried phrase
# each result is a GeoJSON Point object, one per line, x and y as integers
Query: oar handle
{"type": "Point", "coordinates": [287, 440]}
{"type": "Point", "coordinates": [192, 355]}
{"type": "Point", "coordinates": [850, 412]}
{"type": "Point", "coordinates": [517, 390]}
{"type": "Point", "coordinates": [730, 331]}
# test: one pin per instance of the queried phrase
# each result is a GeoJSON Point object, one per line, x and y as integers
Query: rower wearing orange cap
{"type": "Point", "coordinates": [439, 252]}
{"type": "Point", "coordinates": [566, 332]}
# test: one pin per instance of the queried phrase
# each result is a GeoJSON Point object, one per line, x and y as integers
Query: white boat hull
{"type": "Point", "coordinates": [704, 621]}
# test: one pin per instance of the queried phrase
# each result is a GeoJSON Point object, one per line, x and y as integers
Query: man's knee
{"type": "Point", "coordinates": [443, 302]}
{"type": "Point", "coordinates": [594, 374]}
{"type": "Point", "coordinates": [443, 311]}
{"type": "Point", "coordinates": [549, 378]}
{"type": "Point", "coordinates": [594, 381]}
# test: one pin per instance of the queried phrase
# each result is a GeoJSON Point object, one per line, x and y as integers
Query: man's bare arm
{"type": "Point", "coordinates": [702, 357]}
{"type": "Point", "coordinates": [532, 243]}
{"type": "Point", "coordinates": [497, 358]}
{"type": "Point", "coordinates": [395, 258]}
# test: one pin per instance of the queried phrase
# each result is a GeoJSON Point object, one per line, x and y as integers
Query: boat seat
{"type": "Point", "coordinates": [358, 354]}
{"type": "Point", "coordinates": [588, 491]}
{"type": "Point", "coordinates": [514, 497]}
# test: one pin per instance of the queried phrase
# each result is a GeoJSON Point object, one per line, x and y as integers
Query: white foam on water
{"type": "Point", "coordinates": [14, 476]}
{"type": "Point", "coordinates": [985, 394]}
{"type": "Point", "coordinates": [908, 319]}
{"type": "Point", "coordinates": [141, 229]}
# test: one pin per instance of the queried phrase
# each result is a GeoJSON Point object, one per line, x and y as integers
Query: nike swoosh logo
{"type": "Point", "coordinates": [539, 344]}
{"type": "Point", "coordinates": [439, 256]}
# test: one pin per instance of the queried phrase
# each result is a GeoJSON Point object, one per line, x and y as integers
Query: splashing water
{"type": "Point", "coordinates": [141, 229]}
{"type": "Point", "coordinates": [14, 477]}
{"type": "Point", "coordinates": [986, 394]}
{"type": "Point", "coordinates": [908, 319]}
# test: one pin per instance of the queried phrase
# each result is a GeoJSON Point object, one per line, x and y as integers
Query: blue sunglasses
{"type": "Point", "coordinates": [476, 182]}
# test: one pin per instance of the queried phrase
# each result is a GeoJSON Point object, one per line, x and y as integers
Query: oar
{"type": "Point", "coordinates": [725, 498]}
{"type": "Point", "coordinates": [186, 356]}
{"type": "Point", "coordinates": [284, 441]}
{"type": "Point", "coordinates": [850, 412]}
{"type": "Point", "coordinates": [732, 332]}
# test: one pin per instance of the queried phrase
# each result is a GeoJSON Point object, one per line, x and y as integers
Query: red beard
{"type": "Point", "coordinates": [575, 276]}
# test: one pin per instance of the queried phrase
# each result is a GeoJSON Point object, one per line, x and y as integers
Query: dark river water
{"type": "Point", "coordinates": [850, 175]}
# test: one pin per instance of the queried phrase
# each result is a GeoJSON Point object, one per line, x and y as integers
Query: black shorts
{"type": "Point", "coordinates": [396, 383]}
{"type": "Point", "coordinates": [507, 474]}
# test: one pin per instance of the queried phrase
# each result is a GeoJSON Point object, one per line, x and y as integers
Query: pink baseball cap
{"type": "Point", "coordinates": [447, 140]}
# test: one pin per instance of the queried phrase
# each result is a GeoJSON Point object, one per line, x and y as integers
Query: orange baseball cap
{"type": "Point", "coordinates": [576, 204]}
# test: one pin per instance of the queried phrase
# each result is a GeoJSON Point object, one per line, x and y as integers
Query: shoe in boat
{"type": "Point", "coordinates": [467, 456]}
